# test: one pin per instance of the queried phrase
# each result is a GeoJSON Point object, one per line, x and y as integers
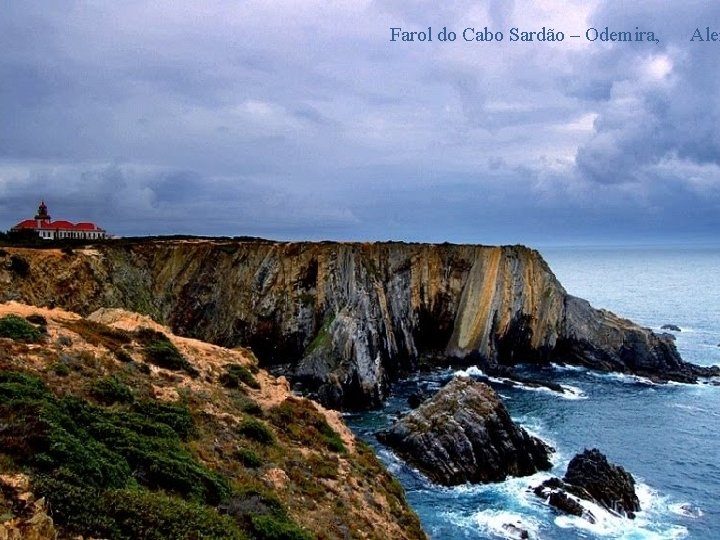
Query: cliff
{"type": "Point", "coordinates": [124, 430]}
{"type": "Point", "coordinates": [346, 319]}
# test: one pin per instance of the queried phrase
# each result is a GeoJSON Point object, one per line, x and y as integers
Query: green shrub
{"type": "Point", "coordinates": [17, 328]}
{"type": "Point", "coordinates": [156, 516]}
{"type": "Point", "coordinates": [248, 458]}
{"type": "Point", "coordinates": [124, 473]}
{"type": "Point", "coordinates": [177, 417]}
{"type": "Point", "coordinates": [104, 448]}
{"type": "Point", "coordinates": [20, 386]}
{"type": "Point", "coordinates": [127, 514]}
{"type": "Point", "coordinates": [251, 407]}
{"type": "Point", "coordinates": [267, 527]}
{"type": "Point", "coordinates": [61, 369]}
{"type": "Point", "coordinates": [236, 374]}
{"type": "Point", "coordinates": [302, 423]}
{"type": "Point", "coordinates": [123, 356]}
{"type": "Point", "coordinates": [257, 431]}
{"type": "Point", "coordinates": [159, 350]}
{"type": "Point", "coordinates": [111, 390]}
{"type": "Point", "coordinates": [19, 266]}
{"type": "Point", "coordinates": [261, 513]}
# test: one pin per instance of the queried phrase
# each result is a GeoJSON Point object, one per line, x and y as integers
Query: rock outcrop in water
{"type": "Point", "coordinates": [347, 319]}
{"type": "Point", "coordinates": [592, 478]}
{"type": "Point", "coordinates": [465, 434]}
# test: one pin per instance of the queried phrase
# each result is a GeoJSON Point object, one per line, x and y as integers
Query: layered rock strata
{"type": "Point", "coordinates": [347, 319]}
{"type": "Point", "coordinates": [465, 434]}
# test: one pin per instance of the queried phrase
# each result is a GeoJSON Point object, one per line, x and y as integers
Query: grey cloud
{"type": "Point", "coordinates": [303, 121]}
{"type": "Point", "coordinates": [641, 123]}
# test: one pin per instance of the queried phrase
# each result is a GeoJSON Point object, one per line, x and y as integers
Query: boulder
{"type": "Point", "coordinates": [671, 327]}
{"type": "Point", "coordinates": [591, 477]}
{"type": "Point", "coordinates": [417, 397]}
{"type": "Point", "coordinates": [465, 434]}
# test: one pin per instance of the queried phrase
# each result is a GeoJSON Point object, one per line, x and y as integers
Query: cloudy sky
{"type": "Point", "coordinates": [300, 119]}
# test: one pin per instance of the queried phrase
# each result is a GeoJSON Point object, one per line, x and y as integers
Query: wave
{"type": "Point", "coordinates": [504, 524]}
{"type": "Point", "coordinates": [569, 392]}
{"type": "Point", "coordinates": [687, 510]}
{"type": "Point", "coordinates": [626, 378]}
{"type": "Point", "coordinates": [650, 523]}
{"type": "Point", "coordinates": [472, 371]}
{"type": "Point", "coordinates": [567, 367]}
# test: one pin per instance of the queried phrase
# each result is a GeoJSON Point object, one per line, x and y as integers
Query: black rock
{"type": "Point", "coordinates": [465, 434]}
{"type": "Point", "coordinates": [561, 501]}
{"type": "Point", "coordinates": [608, 484]}
{"type": "Point", "coordinates": [416, 398]}
{"type": "Point", "coordinates": [671, 327]}
{"type": "Point", "coordinates": [591, 477]}
{"type": "Point", "coordinates": [513, 531]}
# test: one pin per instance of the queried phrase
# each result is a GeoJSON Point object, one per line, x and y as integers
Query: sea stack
{"type": "Point", "coordinates": [465, 434]}
{"type": "Point", "coordinates": [591, 477]}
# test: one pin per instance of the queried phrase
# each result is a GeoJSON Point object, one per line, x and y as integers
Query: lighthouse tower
{"type": "Point", "coordinates": [42, 217]}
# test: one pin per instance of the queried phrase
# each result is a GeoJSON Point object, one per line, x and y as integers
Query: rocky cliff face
{"type": "Point", "coordinates": [347, 319]}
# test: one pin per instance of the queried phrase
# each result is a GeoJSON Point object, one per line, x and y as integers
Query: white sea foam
{"type": "Point", "coordinates": [504, 524]}
{"type": "Point", "coordinates": [686, 510]}
{"type": "Point", "coordinates": [648, 523]}
{"type": "Point", "coordinates": [522, 510]}
{"type": "Point", "coordinates": [625, 378]}
{"type": "Point", "coordinates": [569, 392]}
{"type": "Point", "coordinates": [472, 371]}
{"type": "Point", "coordinates": [567, 367]}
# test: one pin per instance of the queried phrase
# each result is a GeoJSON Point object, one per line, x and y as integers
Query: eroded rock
{"type": "Point", "coordinates": [592, 478]}
{"type": "Point", "coordinates": [465, 434]}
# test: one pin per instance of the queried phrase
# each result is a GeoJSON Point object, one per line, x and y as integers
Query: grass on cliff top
{"type": "Point", "coordinates": [159, 350]}
{"type": "Point", "coordinates": [236, 374]}
{"type": "Point", "coordinates": [238, 444]}
{"type": "Point", "coordinates": [124, 471]}
{"type": "Point", "coordinates": [19, 329]}
{"type": "Point", "coordinates": [302, 423]}
{"type": "Point", "coordinates": [100, 334]}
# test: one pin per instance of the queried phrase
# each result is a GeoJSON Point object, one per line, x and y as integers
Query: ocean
{"type": "Point", "coordinates": [666, 435]}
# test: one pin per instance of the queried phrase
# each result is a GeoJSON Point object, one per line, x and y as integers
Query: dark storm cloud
{"type": "Point", "coordinates": [302, 120]}
{"type": "Point", "coordinates": [649, 117]}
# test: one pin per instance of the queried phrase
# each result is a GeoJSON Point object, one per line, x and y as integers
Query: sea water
{"type": "Point", "coordinates": [666, 435]}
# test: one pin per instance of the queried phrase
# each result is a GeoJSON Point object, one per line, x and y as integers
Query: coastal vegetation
{"type": "Point", "coordinates": [190, 448]}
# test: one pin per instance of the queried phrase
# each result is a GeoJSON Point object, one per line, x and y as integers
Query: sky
{"type": "Point", "coordinates": [301, 119]}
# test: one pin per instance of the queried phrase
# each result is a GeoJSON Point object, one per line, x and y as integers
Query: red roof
{"type": "Point", "coordinates": [27, 224]}
{"type": "Point", "coordinates": [61, 225]}
{"type": "Point", "coordinates": [86, 226]}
